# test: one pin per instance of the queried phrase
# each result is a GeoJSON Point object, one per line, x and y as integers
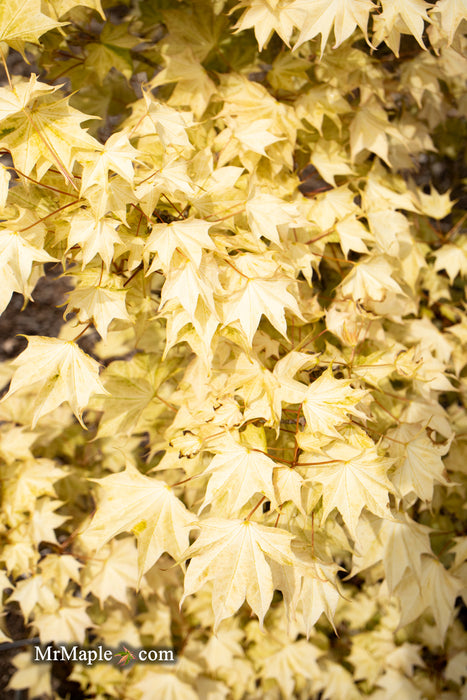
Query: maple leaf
{"type": "Point", "coordinates": [14, 100]}
{"type": "Point", "coordinates": [333, 206]}
{"type": "Point", "coordinates": [169, 687]}
{"type": "Point", "coordinates": [151, 511]}
{"type": "Point", "coordinates": [169, 124]}
{"type": "Point", "coordinates": [30, 592]}
{"type": "Point", "coordinates": [94, 235]}
{"type": "Point", "coordinates": [405, 657]}
{"type": "Point", "coordinates": [394, 686]}
{"type": "Point", "coordinates": [400, 17]}
{"type": "Point", "coordinates": [297, 163]}
{"type": "Point", "coordinates": [451, 12]}
{"type": "Point", "coordinates": [322, 15]}
{"type": "Point", "coordinates": [217, 190]}
{"type": "Point", "coordinates": [131, 403]}
{"type": "Point", "coordinates": [326, 402]}
{"type": "Point", "coordinates": [369, 130]}
{"type": "Point", "coordinates": [319, 102]}
{"type": "Point", "coordinates": [44, 131]}
{"type": "Point", "coordinates": [236, 474]}
{"type": "Point", "coordinates": [436, 590]}
{"type": "Point", "coordinates": [254, 137]}
{"type": "Point", "coordinates": [330, 160]}
{"type": "Point", "coordinates": [58, 371]}
{"type": "Point", "coordinates": [456, 667]}
{"type": "Point", "coordinates": [355, 481]}
{"type": "Point", "coordinates": [104, 56]}
{"type": "Point", "coordinates": [232, 554]}
{"type": "Point", "coordinates": [284, 371]}
{"type": "Point", "coordinates": [68, 623]}
{"type": "Point", "coordinates": [266, 212]}
{"type": "Point", "coordinates": [352, 234]}
{"type": "Point", "coordinates": [126, 656]}
{"type": "Point", "coordinates": [15, 443]}
{"type": "Point", "coordinates": [30, 675]}
{"type": "Point", "coordinates": [44, 521]}
{"type": "Point", "coordinates": [18, 256]}
{"type": "Point", "coordinates": [186, 283]}
{"type": "Point", "coordinates": [193, 86]}
{"type": "Point", "coordinates": [112, 572]}
{"type": "Point", "coordinates": [259, 388]}
{"type": "Point", "coordinates": [295, 657]}
{"type": "Point", "coordinates": [419, 461]}
{"type": "Point", "coordinates": [435, 204]}
{"type": "Point", "coordinates": [319, 592]}
{"type": "Point", "coordinates": [60, 569]}
{"type": "Point", "coordinates": [370, 280]}
{"type": "Point", "coordinates": [257, 297]}
{"type": "Point", "coordinates": [22, 21]}
{"type": "Point", "coordinates": [266, 17]}
{"type": "Point", "coordinates": [222, 649]}
{"type": "Point", "coordinates": [172, 177]}
{"type": "Point", "coordinates": [339, 683]}
{"type": "Point", "coordinates": [190, 236]}
{"type": "Point", "coordinates": [27, 482]}
{"type": "Point", "coordinates": [100, 304]}
{"type": "Point", "coordinates": [117, 155]}
{"type": "Point", "coordinates": [287, 486]}
{"type": "Point", "coordinates": [452, 257]}
{"type": "Point", "coordinates": [288, 72]}
{"type": "Point", "coordinates": [61, 7]}
{"type": "Point", "coordinates": [399, 543]}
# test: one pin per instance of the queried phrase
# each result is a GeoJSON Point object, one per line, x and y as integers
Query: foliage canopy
{"type": "Point", "coordinates": [248, 440]}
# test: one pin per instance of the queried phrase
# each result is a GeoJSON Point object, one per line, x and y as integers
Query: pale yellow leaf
{"type": "Point", "coordinates": [99, 304]}
{"type": "Point", "coordinates": [189, 236]}
{"type": "Point", "coordinates": [419, 464]}
{"type": "Point", "coordinates": [327, 402]}
{"type": "Point", "coordinates": [321, 16]}
{"type": "Point", "coordinates": [236, 474]}
{"type": "Point", "coordinates": [67, 624]}
{"type": "Point", "coordinates": [355, 480]}
{"type": "Point", "coordinates": [21, 21]}
{"type": "Point", "coordinates": [150, 510]}
{"type": "Point", "coordinates": [257, 297]}
{"type": "Point", "coordinates": [59, 371]}
{"type": "Point", "coordinates": [94, 235]}
{"type": "Point", "coordinates": [112, 572]}
{"type": "Point", "coordinates": [232, 554]}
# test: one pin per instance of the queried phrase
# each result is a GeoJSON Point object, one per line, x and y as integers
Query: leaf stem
{"type": "Point", "coordinates": [52, 213]}
{"type": "Point", "coordinates": [5, 65]}
{"type": "Point", "coordinates": [297, 425]}
{"type": "Point", "coordinates": [40, 184]}
{"type": "Point", "coordinates": [223, 218]}
{"type": "Point", "coordinates": [255, 508]}
{"type": "Point", "coordinates": [387, 411]}
{"type": "Point", "coordinates": [159, 398]}
{"type": "Point", "coordinates": [235, 268]}
{"type": "Point", "coordinates": [309, 339]}
{"type": "Point", "coordinates": [88, 325]}
{"type": "Point", "coordinates": [278, 459]}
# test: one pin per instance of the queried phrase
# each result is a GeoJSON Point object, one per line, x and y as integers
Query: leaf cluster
{"type": "Point", "coordinates": [248, 439]}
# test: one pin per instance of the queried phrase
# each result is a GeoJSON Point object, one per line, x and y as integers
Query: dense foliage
{"type": "Point", "coordinates": [260, 457]}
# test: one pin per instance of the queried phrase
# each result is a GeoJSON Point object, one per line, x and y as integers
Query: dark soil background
{"type": "Point", "coordinates": [40, 317]}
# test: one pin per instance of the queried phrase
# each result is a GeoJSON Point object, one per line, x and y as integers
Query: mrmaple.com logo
{"type": "Point", "coordinates": [100, 654]}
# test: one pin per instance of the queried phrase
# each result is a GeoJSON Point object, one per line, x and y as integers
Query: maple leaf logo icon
{"type": "Point", "coordinates": [126, 656]}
